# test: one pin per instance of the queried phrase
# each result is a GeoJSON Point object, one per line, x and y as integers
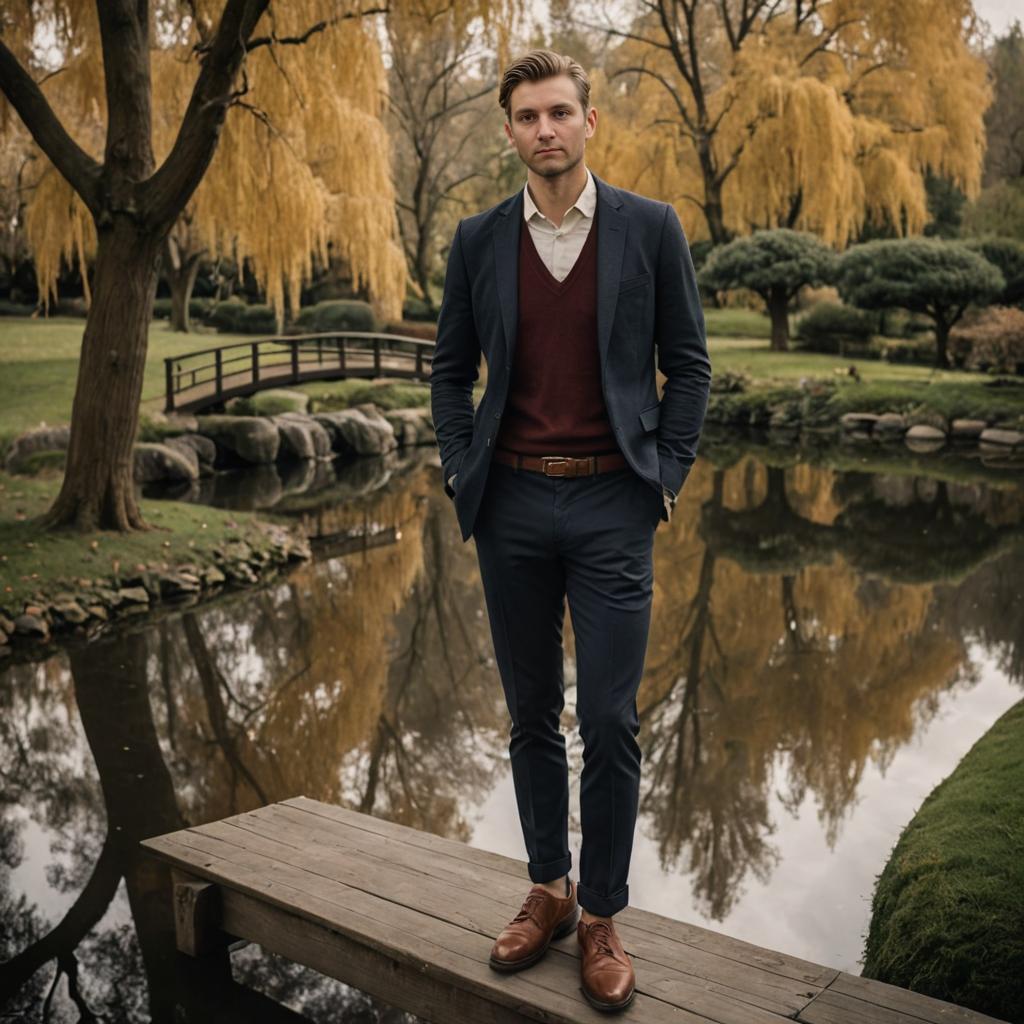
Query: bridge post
{"type": "Point", "coordinates": [376, 357]}
{"type": "Point", "coordinates": [419, 360]}
{"type": "Point", "coordinates": [341, 353]}
{"type": "Point", "coordinates": [295, 362]}
{"type": "Point", "coordinates": [218, 363]}
{"type": "Point", "coordinates": [255, 362]}
{"type": "Point", "coordinates": [169, 386]}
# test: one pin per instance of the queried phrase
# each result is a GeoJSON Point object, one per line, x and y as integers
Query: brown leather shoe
{"type": "Point", "coordinates": [525, 939]}
{"type": "Point", "coordinates": [605, 968]}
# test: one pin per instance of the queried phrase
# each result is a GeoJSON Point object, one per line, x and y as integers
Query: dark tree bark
{"type": "Point", "coordinates": [133, 207]}
{"type": "Point", "coordinates": [778, 310]}
{"type": "Point", "coordinates": [180, 269]}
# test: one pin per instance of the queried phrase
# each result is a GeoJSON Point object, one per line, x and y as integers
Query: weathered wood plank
{"type": "Point", "coordinates": [839, 1008]}
{"type": "Point", "coordinates": [815, 975]}
{"type": "Point", "coordinates": [901, 1000]}
{"type": "Point", "coordinates": [484, 914]}
{"type": "Point", "coordinates": [410, 917]}
{"type": "Point", "coordinates": [421, 945]}
{"type": "Point", "coordinates": [668, 965]}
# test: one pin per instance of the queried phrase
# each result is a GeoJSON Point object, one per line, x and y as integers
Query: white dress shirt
{"type": "Point", "coordinates": [559, 247]}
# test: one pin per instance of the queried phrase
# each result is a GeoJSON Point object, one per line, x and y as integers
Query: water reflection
{"type": "Point", "coordinates": [809, 623]}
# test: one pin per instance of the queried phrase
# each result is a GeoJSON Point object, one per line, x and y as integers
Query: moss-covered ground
{"type": "Point", "coordinates": [948, 911]}
{"type": "Point", "coordinates": [32, 560]}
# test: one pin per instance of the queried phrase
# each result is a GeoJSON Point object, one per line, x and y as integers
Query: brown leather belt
{"type": "Point", "coordinates": [562, 465]}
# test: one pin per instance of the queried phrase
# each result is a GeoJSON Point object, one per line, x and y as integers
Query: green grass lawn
{"type": "Point", "coordinates": [39, 361]}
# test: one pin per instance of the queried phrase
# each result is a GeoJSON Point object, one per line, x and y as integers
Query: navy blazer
{"type": "Point", "coordinates": [648, 313]}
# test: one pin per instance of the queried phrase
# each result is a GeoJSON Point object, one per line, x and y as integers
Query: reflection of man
{"type": "Point", "coordinates": [571, 289]}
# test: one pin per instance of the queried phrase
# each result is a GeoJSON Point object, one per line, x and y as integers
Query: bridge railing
{"type": "Point", "coordinates": [213, 374]}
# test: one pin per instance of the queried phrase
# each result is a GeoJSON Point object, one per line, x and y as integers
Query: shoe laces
{"type": "Point", "coordinates": [532, 902]}
{"type": "Point", "coordinates": [601, 933]}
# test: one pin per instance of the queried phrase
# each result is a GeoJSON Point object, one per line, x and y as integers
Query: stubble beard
{"type": "Point", "coordinates": [544, 167]}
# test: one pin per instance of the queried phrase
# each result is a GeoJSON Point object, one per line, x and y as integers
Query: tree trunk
{"type": "Point", "coordinates": [778, 305]}
{"type": "Point", "coordinates": [98, 492]}
{"type": "Point", "coordinates": [941, 341]}
{"type": "Point", "coordinates": [181, 272]}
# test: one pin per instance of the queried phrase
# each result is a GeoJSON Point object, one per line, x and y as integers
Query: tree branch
{"type": "Point", "coordinates": [165, 193]}
{"type": "Point", "coordinates": [80, 169]}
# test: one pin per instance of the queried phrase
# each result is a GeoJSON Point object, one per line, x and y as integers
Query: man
{"type": "Point", "coordinates": [573, 291]}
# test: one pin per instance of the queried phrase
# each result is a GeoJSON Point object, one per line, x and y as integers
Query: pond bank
{"type": "Point", "coordinates": [925, 415]}
{"type": "Point", "coordinates": [947, 911]}
{"type": "Point", "coordinates": [76, 584]}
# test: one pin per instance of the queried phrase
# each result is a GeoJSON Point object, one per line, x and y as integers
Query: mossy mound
{"type": "Point", "coordinates": [948, 912]}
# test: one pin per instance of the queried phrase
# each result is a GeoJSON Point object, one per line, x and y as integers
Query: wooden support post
{"type": "Point", "coordinates": [255, 362]}
{"type": "Point", "coordinates": [197, 916]}
{"type": "Point", "coordinates": [169, 371]}
{"type": "Point", "coordinates": [219, 371]}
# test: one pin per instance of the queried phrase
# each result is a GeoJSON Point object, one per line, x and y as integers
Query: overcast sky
{"type": "Point", "coordinates": [1000, 14]}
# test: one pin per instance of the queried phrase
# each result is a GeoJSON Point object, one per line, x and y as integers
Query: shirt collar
{"type": "Point", "coordinates": [586, 203]}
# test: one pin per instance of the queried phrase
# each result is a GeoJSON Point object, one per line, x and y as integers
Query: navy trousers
{"type": "Point", "coordinates": [541, 540]}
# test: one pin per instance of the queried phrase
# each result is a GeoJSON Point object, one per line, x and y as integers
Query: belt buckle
{"type": "Point", "coordinates": [549, 463]}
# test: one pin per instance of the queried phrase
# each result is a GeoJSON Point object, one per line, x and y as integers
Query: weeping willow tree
{"type": "Point", "coordinates": [805, 114]}
{"type": "Point", "coordinates": [301, 162]}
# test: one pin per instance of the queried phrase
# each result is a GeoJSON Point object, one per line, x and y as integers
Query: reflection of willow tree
{"type": "Point", "coordinates": [755, 654]}
{"type": "Point", "coordinates": [357, 681]}
{"type": "Point", "coordinates": [105, 968]}
{"type": "Point", "coordinates": [699, 791]}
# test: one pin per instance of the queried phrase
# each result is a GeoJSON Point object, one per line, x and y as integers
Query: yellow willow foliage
{"type": "Point", "coordinates": [303, 161]}
{"type": "Point", "coordinates": [59, 229]}
{"type": "Point", "coordinates": [826, 133]}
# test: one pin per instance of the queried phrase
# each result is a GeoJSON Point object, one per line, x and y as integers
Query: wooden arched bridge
{"type": "Point", "coordinates": [203, 379]}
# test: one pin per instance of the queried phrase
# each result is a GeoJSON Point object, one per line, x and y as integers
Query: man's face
{"type": "Point", "coordinates": [547, 115]}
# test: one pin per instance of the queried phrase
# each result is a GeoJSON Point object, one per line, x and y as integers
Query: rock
{"type": "Point", "coordinates": [5, 651]}
{"type": "Point", "coordinates": [252, 439]}
{"type": "Point", "coordinates": [858, 421]}
{"type": "Point", "coordinates": [995, 437]}
{"type": "Point", "coordinates": [155, 462]}
{"type": "Point", "coordinates": [361, 429]}
{"type": "Point", "coordinates": [967, 428]}
{"type": "Point", "coordinates": [923, 432]}
{"type": "Point", "coordinates": [70, 611]}
{"type": "Point", "coordinates": [923, 438]}
{"type": "Point", "coordinates": [6, 626]}
{"type": "Point", "coordinates": [31, 625]}
{"type": "Point", "coordinates": [97, 611]}
{"type": "Point", "coordinates": [133, 595]}
{"type": "Point", "coordinates": [41, 439]}
{"type": "Point", "coordinates": [411, 426]}
{"type": "Point", "coordinates": [890, 425]}
{"type": "Point", "coordinates": [204, 448]}
{"type": "Point", "coordinates": [212, 576]}
{"type": "Point", "coordinates": [301, 437]}
{"type": "Point", "coordinates": [175, 583]}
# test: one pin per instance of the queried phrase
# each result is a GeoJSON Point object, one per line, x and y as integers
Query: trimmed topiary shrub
{"type": "Point", "coordinates": [226, 316]}
{"type": "Point", "coordinates": [834, 328]}
{"type": "Point", "coordinates": [416, 309]}
{"type": "Point", "coordinates": [257, 319]}
{"type": "Point", "coordinates": [337, 315]}
{"type": "Point", "coordinates": [947, 910]}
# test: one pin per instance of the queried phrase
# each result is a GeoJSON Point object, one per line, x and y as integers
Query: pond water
{"type": "Point", "coordinates": [830, 635]}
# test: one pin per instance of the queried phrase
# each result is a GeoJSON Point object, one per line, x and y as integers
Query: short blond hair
{"type": "Point", "coordinates": [537, 65]}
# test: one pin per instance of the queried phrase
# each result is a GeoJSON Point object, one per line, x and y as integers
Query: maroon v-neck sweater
{"type": "Point", "coordinates": [555, 405]}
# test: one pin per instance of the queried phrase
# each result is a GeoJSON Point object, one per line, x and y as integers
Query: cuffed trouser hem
{"type": "Point", "coordinates": [551, 871]}
{"type": "Point", "coordinates": [601, 906]}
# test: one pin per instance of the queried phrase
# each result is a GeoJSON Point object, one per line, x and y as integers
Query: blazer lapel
{"type": "Point", "coordinates": [611, 243]}
{"type": "Point", "coordinates": [611, 225]}
{"type": "Point", "coordinates": [506, 267]}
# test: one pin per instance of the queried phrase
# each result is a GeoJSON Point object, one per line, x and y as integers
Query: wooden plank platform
{"type": "Point", "coordinates": [410, 917]}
